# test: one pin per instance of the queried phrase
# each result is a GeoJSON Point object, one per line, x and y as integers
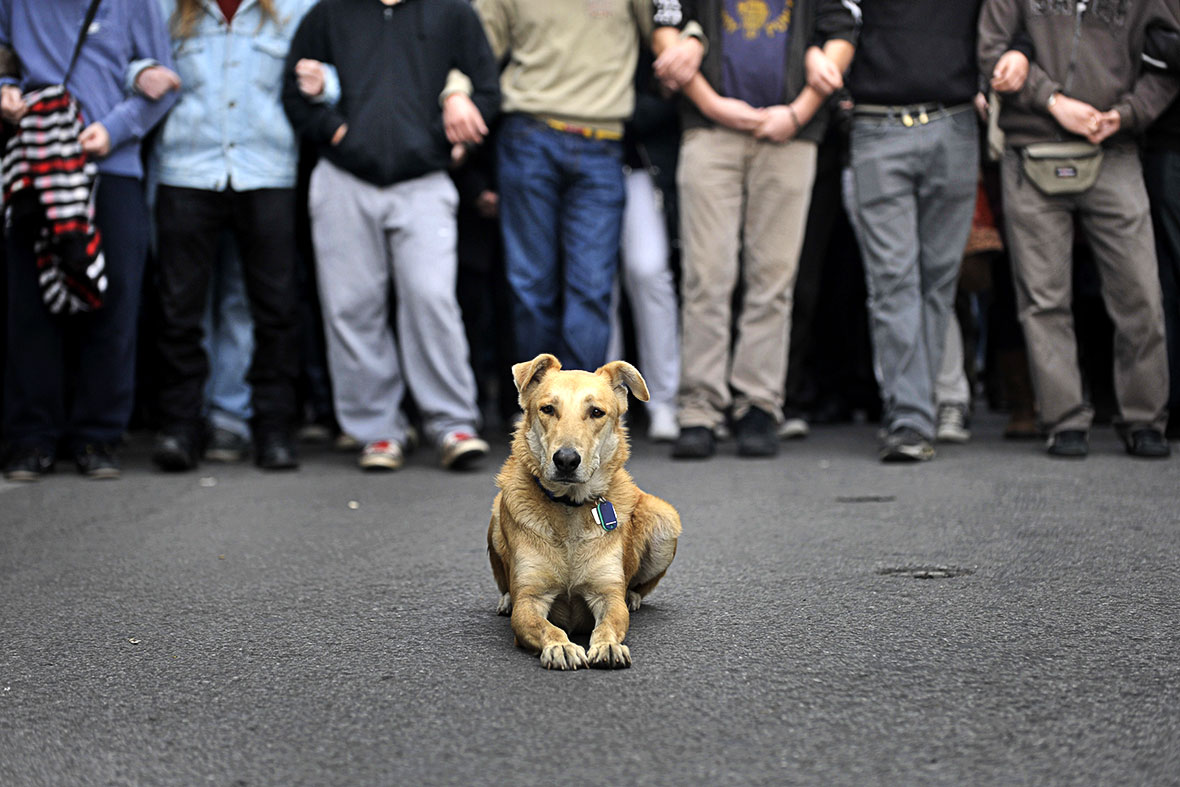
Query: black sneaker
{"type": "Point", "coordinates": [1069, 444]}
{"type": "Point", "coordinates": [905, 444]}
{"type": "Point", "coordinates": [225, 446]}
{"type": "Point", "coordinates": [756, 433]}
{"type": "Point", "coordinates": [1148, 444]}
{"type": "Point", "coordinates": [275, 451]}
{"type": "Point", "coordinates": [694, 442]}
{"type": "Point", "coordinates": [27, 463]}
{"type": "Point", "coordinates": [98, 461]}
{"type": "Point", "coordinates": [174, 453]}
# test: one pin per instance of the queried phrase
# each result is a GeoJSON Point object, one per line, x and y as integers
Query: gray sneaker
{"type": "Point", "coordinates": [953, 424]}
{"type": "Point", "coordinates": [904, 444]}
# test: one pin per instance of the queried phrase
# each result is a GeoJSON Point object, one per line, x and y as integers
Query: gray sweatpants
{"type": "Point", "coordinates": [366, 238]}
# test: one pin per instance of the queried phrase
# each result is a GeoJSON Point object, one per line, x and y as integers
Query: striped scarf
{"type": "Point", "coordinates": [49, 187]}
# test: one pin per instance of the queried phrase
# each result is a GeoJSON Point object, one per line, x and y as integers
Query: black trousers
{"type": "Point", "coordinates": [70, 380]}
{"type": "Point", "coordinates": [189, 222]}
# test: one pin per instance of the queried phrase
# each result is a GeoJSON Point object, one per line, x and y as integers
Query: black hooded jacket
{"type": "Point", "coordinates": [392, 61]}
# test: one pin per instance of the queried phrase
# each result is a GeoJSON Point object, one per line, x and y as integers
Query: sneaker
{"type": "Point", "coordinates": [462, 451]}
{"type": "Point", "coordinates": [694, 442]}
{"type": "Point", "coordinates": [952, 424]}
{"type": "Point", "coordinates": [97, 461]}
{"type": "Point", "coordinates": [793, 429]}
{"type": "Point", "coordinates": [757, 433]}
{"type": "Point", "coordinates": [1148, 444]}
{"type": "Point", "coordinates": [275, 450]}
{"type": "Point", "coordinates": [1068, 444]}
{"type": "Point", "coordinates": [225, 446]}
{"type": "Point", "coordinates": [27, 463]}
{"type": "Point", "coordinates": [382, 455]}
{"type": "Point", "coordinates": [905, 444]}
{"type": "Point", "coordinates": [174, 453]}
{"type": "Point", "coordinates": [346, 443]}
{"type": "Point", "coordinates": [662, 426]}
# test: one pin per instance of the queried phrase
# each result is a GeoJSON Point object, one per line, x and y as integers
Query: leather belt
{"type": "Point", "coordinates": [910, 114]}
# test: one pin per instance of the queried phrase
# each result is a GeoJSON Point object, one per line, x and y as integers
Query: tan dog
{"type": "Point", "coordinates": [558, 558]}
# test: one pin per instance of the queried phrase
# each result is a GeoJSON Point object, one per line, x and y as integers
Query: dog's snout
{"type": "Point", "coordinates": [566, 460]}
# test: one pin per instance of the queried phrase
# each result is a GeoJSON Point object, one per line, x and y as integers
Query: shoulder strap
{"type": "Point", "coordinates": [85, 31]}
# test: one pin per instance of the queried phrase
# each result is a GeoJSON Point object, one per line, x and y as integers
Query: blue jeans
{"type": "Point", "coordinates": [229, 343]}
{"type": "Point", "coordinates": [561, 212]}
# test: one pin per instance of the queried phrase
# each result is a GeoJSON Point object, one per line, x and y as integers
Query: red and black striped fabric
{"type": "Point", "coordinates": [49, 189]}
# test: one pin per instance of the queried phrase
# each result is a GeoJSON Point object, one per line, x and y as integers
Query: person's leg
{"type": "Point", "coordinates": [710, 184]}
{"type": "Point", "coordinates": [950, 386]}
{"type": "Point", "coordinates": [591, 221]}
{"type": "Point", "coordinates": [886, 165]}
{"type": "Point", "coordinates": [353, 273]}
{"type": "Point", "coordinates": [1115, 215]}
{"type": "Point", "coordinates": [1039, 232]}
{"type": "Point", "coordinates": [430, 332]}
{"type": "Point", "coordinates": [778, 191]}
{"type": "Point", "coordinates": [265, 230]}
{"type": "Point", "coordinates": [104, 389]}
{"type": "Point", "coordinates": [530, 187]}
{"type": "Point", "coordinates": [229, 343]}
{"type": "Point", "coordinates": [1161, 171]}
{"type": "Point", "coordinates": [648, 278]}
{"type": "Point", "coordinates": [189, 227]}
{"type": "Point", "coordinates": [946, 204]}
{"type": "Point", "coordinates": [34, 400]}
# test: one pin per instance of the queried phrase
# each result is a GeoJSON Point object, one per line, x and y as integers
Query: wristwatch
{"type": "Point", "coordinates": [1052, 100]}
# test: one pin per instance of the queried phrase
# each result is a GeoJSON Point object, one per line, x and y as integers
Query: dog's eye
{"type": "Point", "coordinates": [547, 409]}
{"type": "Point", "coordinates": [596, 413]}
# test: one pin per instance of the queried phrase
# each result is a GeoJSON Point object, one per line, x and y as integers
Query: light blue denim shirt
{"type": "Point", "coordinates": [228, 128]}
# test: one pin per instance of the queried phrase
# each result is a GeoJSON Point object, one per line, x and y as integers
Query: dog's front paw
{"type": "Point", "coordinates": [505, 605]}
{"type": "Point", "coordinates": [610, 656]}
{"type": "Point", "coordinates": [633, 600]}
{"type": "Point", "coordinates": [566, 655]}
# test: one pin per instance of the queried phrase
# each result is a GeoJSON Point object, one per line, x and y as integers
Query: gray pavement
{"type": "Point", "coordinates": [992, 617]}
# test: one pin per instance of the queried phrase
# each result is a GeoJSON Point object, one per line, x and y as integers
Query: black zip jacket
{"type": "Point", "coordinates": [813, 22]}
{"type": "Point", "coordinates": [919, 51]}
{"type": "Point", "coordinates": [393, 63]}
{"type": "Point", "coordinates": [1163, 47]}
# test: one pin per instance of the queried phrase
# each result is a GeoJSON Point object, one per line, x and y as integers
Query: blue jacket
{"type": "Point", "coordinates": [228, 128]}
{"type": "Point", "coordinates": [124, 31]}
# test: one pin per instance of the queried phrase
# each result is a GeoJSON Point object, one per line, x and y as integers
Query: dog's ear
{"type": "Point", "coordinates": [623, 377]}
{"type": "Point", "coordinates": [529, 373]}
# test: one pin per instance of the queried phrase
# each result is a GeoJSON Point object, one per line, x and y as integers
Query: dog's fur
{"type": "Point", "coordinates": [556, 568]}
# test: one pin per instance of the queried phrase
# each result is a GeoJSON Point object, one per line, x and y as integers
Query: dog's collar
{"type": "Point", "coordinates": [564, 499]}
{"type": "Point", "coordinates": [603, 512]}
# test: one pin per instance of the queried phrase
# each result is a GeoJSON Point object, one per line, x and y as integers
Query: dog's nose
{"type": "Point", "coordinates": [566, 460]}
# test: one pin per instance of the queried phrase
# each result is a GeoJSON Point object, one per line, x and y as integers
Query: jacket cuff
{"type": "Point", "coordinates": [457, 82]}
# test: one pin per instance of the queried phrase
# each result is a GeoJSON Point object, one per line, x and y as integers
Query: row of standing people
{"type": "Point", "coordinates": [382, 209]}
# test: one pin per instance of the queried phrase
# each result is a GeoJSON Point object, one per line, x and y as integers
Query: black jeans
{"type": "Point", "coordinates": [72, 378]}
{"type": "Point", "coordinates": [189, 222]}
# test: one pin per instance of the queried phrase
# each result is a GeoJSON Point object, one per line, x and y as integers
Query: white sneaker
{"type": "Point", "coordinates": [662, 427]}
{"type": "Point", "coordinates": [793, 428]}
{"type": "Point", "coordinates": [461, 450]}
{"type": "Point", "coordinates": [382, 455]}
{"type": "Point", "coordinates": [952, 424]}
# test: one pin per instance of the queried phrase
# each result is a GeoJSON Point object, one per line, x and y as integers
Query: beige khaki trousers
{"type": "Point", "coordinates": [743, 208]}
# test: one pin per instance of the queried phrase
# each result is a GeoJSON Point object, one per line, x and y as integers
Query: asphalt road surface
{"type": "Point", "coordinates": [991, 617]}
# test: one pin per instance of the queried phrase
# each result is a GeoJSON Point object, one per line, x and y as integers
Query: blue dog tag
{"type": "Point", "coordinates": [604, 514]}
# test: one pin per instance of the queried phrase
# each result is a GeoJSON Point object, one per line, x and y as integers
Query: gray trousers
{"type": "Point", "coordinates": [1115, 216]}
{"type": "Point", "coordinates": [366, 239]}
{"type": "Point", "coordinates": [914, 196]}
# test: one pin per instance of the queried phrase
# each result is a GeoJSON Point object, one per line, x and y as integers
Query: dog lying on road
{"type": "Point", "coordinates": [574, 543]}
